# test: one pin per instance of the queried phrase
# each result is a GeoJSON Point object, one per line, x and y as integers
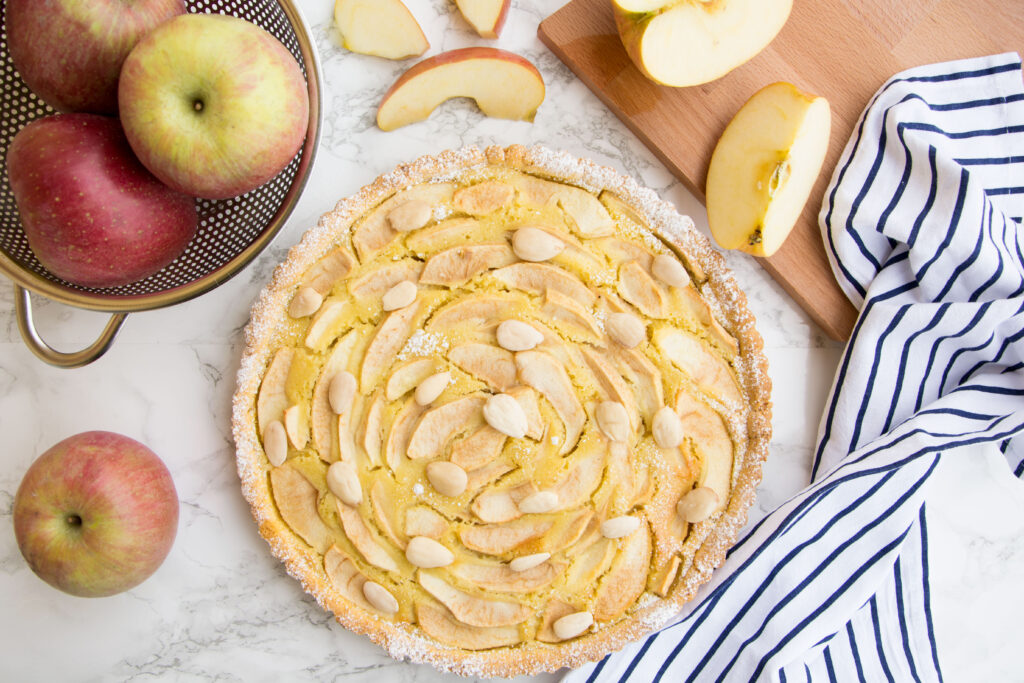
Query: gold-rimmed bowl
{"type": "Point", "coordinates": [231, 232]}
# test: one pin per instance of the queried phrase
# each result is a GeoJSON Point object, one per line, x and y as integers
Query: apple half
{"type": "Point", "coordinates": [764, 167]}
{"type": "Point", "coordinates": [382, 28]}
{"type": "Point", "coordinates": [503, 84]}
{"type": "Point", "coordinates": [689, 42]}
{"type": "Point", "coordinates": [487, 17]}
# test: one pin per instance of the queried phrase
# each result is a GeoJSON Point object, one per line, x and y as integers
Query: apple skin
{"type": "Point", "coordinates": [213, 105]}
{"type": "Point", "coordinates": [96, 514]}
{"type": "Point", "coordinates": [93, 215]}
{"type": "Point", "coordinates": [69, 52]}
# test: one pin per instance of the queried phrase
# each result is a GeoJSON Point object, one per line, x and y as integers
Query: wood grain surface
{"type": "Point", "coordinates": [841, 49]}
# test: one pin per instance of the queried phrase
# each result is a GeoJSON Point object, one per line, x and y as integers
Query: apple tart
{"type": "Point", "coordinates": [502, 411]}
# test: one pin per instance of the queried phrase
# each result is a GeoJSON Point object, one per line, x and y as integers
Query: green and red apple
{"type": "Point", "coordinates": [689, 42]}
{"type": "Point", "coordinates": [764, 168]}
{"type": "Point", "coordinates": [93, 215]}
{"type": "Point", "coordinates": [70, 52]}
{"type": "Point", "coordinates": [213, 105]}
{"type": "Point", "coordinates": [503, 84]}
{"type": "Point", "coordinates": [96, 514]}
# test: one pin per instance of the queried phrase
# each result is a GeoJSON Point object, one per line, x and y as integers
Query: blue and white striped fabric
{"type": "Point", "coordinates": [922, 224]}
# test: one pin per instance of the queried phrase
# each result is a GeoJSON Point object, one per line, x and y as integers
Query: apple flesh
{"type": "Point", "coordinates": [213, 105]}
{"type": "Point", "coordinates": [93, 215]}
{"type": "Point", "coordinates": [503, 84]}
{"type": "Point", "coordinates": [69, 52]}
{"type": "Point", "coordinates": [689, 42]}
{"type": "Point", "coordinates": [382, 28]}
{"type": "Point", "coordinates": [764, 167]}
{"type": "Point", "coordinates": [96, 514]}
{"type": "Point", "coordinates": [487, 17]}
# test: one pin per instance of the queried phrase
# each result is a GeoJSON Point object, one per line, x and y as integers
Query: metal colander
{"type": "Point", "coordinates": [231, 232]}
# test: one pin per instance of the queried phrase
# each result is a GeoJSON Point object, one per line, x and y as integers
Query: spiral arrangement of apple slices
{"type": "Point", "coordinates": [501, 410]}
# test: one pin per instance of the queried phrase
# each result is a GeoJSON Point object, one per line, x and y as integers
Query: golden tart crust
{"type": "Point", "coordinates": [532, 531]}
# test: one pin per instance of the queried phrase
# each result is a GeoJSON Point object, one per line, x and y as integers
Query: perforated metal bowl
{"type": "Point", "coordinates": [231, 232]}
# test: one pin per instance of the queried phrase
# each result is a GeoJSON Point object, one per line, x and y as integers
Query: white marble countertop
{"type": "Point", "coordinates": [221, 607]}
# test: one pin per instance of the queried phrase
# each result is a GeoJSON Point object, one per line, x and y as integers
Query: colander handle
{"type": "Point", "coordinates": [73, 359]}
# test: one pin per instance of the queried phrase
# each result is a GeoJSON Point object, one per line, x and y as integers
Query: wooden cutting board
{"type": "Point", "coordinates": [841, 49]}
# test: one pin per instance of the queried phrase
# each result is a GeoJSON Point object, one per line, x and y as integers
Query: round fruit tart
{"type": "Point", "coordinates": [502, 411]}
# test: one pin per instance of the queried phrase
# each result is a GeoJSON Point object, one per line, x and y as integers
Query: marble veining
{"type": "Point", "coordinates": [222, 608]}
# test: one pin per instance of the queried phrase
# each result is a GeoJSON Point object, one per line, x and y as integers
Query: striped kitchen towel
{"type": "Point", "coordinates": [922, 224]}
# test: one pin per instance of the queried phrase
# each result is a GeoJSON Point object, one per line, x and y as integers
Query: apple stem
{"type": "Point", "coordinates": [74, 520]}
{"type": "Point", "coordinates": [198, 105]}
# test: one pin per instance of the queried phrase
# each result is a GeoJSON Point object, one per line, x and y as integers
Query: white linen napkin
{"type": "Point", "coordinates": [922, 223]}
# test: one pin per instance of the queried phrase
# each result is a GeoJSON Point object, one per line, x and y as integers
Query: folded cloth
{"type": "Point", "coordinates": [921, 222]}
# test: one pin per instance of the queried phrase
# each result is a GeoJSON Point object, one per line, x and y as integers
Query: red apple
{"type": "Point", "coordinates": [96, 514]}
{"type": "Point", "coordinates": [92, 214]}
{"type": "Point", "coordinates": [213, 105]}
{"type": "Point", "coordinates": [70, 52]}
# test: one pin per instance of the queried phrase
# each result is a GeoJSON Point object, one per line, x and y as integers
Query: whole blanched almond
{"type": "Point", "coordinates": [572, 625]}
{"type": "Point", "coordinates": [515, 335]}
{"type": "Point", "coordinates": [534, 244]}
{"type": "Point", "coordinates": [670, 271]}
{"type": "Point", "coordinates": [399, 296]}
{"type": "Point", "coordinates": [536, 503]}
{"type": "Point", "coordinates": [697, 505]}
{"type": "Point", "coordinates": [275, 443]}
{"type": "Point", "coordinates": [667, 428]}
{"type": "Point", "coordinates": [412, 215]}
{"type": "Point", "coordinates": [447, 478]}
{"type": "Point", "coordinates": [427, 553]}
{"type": "Point", "coordinates": [617, 527]}
{"type": "Point", "coordinates": [625, 329]}
{"type": "Point", "coordinates": [503, 412]}
{"type": "Point", "coordinates": [379, 596]}
{"type": "Point", "coordinates": [522, 564]}
{"type": "Point", "coordinates": [613, 420]}
{"type": "Point", "coordinates": [343, 482]}
{"type": "Point", "coordinates": [429, 389]}
{"type": "Point", "coordinates": [306, 301]}
{"type": "Point", "coordinates": [341, 391]}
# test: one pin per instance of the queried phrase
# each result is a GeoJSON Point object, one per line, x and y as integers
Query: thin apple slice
{"type": "Point", "coordinates": [503, 84]}
{"type": "Point", "coordinates": [764, 167]}
{"type": "Point", "coordinates": [448, 233]}
{"type": "Point", "coordinates": [329, 269]}
{"type": "Point", "coordinates": [296, 499]}
{"type": "Point", "coordinates": [689, 42]}
{"type": "Point", "coordinates": [405, 377]}
{"type": "Point", "coordinates": [646, 378]}
{"type": "Point", "coordinates": [483, 198]}
{"type": "Point", "coordinates": [711, 373]}
{"type": "Point", "coordinates": [666, 576]}
{"type": "Point", "coordinates": [379, 279]}
{"type": "Point", "coordinates": [375, 232]}
{"type": "Point", "coordinates": [611, 382]}
{"type": "Point", "coordinates": [322, 417]}
{"type": "Point", "coordinates": [481, 312]}
{"type": "Point", "coordinates": [548, 376]}
{"type": "Point", "coordinates": [391, 336]}
{"type": "Point", "coordinates": [470, 609]}
{"type": "Point", "coordinates": [382, 500]}
{"type": "Point", "coordinates": [537, 278]}
{"type": "Point", "coordinates": [457, 266]}
{"type": "Point", "coordinates": [712, 442]}
{"type": "Point", "coordinates": [482, 476]}
{"type": "Point", "coordinates": [360, 536]}
{"type": "Point", "coordinates": [640, 289]}
{"type": "Point", "coordinates": [478, 449]}
{"type": "Point", "coordinates": [272, 400]}
{"type": "Point", "coordinates": [400, 433]}
{"type": "Point", "coordinates": [492, 364]}
{"type": "Point", "coordinates": [423, 521]}
{"type": "Point", "coordinates": [371, 430]}
{"type": "Point", "coordinates": [439, 425]}
{"type": "Point", "coordinates": [437, 623]}
{"type": "Point", "coordinates": [345, 576]}
{"type": "Point", "coordinates": [553, 611]}
{"type": "Point", "coordinates": [487, 17]}
{"type": "Point", "coordinates": [498, 539]}
{"type": "Point", "coordinates": [627, 578]}
{"type": "Point", "coordinates": [527, 400]}
{"type": "Point", "coordinates": [573, 314]}
{"type": "Point", "coordinates": [498, 577]}
{"type": "Point", "coordinates": [382, 28]}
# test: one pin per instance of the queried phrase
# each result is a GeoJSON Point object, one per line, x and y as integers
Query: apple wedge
{"type": "Point", "coordinates": [382, 28]}
{"type": "Point", "coordinates": [487, 17]}
{"type": "Point", "coordinates": [503, 84]}
{"type": "Point", "coordinates": [764, 167]}
{"type": "Point", "coordinates": [689, 42]}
